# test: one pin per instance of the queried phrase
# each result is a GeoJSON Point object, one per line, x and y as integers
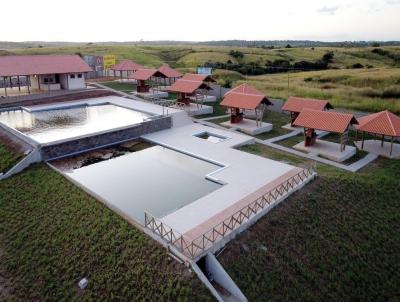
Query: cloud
{"type": "Point", "coordinates": [393, 2]}
{"type": "Point", "coordinates": [331, 10]}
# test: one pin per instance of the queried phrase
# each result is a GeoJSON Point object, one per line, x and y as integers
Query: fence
{"type": "Point", "coordinates": [195, 247]}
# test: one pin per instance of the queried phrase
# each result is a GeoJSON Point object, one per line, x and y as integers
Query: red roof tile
{"type": "Point", "coordinates": [325, 120]}
{"type": "Point", "coordinates": [244, 97]}
{"type": "Point", "coordinates": [384, 122]}
{"type": "Point", "coordinates": [127, 65]}
{"type": "Point", "coordinates": [41, 64]}
{"type": "Point", "coordinates": [146, 74]}
{"type": "Point", "coordinates": [296, 104]}
{"type": "Point", "coordinates": [169, 72]}
{"type": "Point", "coordinates": [198, 77]}
{"type": "Point", "coordinates": [186, 86]}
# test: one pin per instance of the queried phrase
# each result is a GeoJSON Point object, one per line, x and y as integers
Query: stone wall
{"type": "Point", "coordinates": [104, 139]}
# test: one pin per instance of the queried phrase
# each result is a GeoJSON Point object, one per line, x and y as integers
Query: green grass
{"type": "Point", "coordinates": [52, 234]}
{"type": "Point", "coordinates": [335, 240]}
{"type": "Point", "coordinates": [120, 86]}
{"type": "Point", "coordinates": [218, 110]}
{"type": "Point", "coordinates": [8, 158]}
{"type": "Point", "coordinates": [277, 120]}
{"type": "Point", "coordinates": [372, 89]}
{"type": "Point", "coordinates": [364, 90]}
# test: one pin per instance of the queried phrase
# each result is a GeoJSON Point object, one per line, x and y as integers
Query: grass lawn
{"type": "Point", "coordinates": [335, 240]}
{"type": "Point", "coordinates": [125, 87]}
{"type": "Point", "coordinates": [8, 158]}
{"type": "Point", "coordinates": [277, 120]}
{"type": "Point", "coordinates": [52, 234]}
{"type": "Point", "coordinates": [218, 110]}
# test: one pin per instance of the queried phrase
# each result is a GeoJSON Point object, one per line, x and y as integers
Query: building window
{"type": "Point", "coordinates": [72, 76]}
{"type": "Point", "coordinates": [79, 75]}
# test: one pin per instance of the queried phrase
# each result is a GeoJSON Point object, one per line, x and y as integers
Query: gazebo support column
{"type": "Point", "coordinates": [391, 146]}
{"type": "Point", "coordinates": [28, 82]}
{"type": "Point", "coordinates": [362, 142]}
{"type": "Point", "coordinates": [5, 86]}
{"type": "Point", "coordinates": [383, 137]}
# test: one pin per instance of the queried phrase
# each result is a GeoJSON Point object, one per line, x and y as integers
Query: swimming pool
{"type": "Point", "coordinates": [157, 180]}
{"type": "Point", "coordinates": [51, 125]}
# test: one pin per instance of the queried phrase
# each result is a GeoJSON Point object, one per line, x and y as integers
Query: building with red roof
{"type": "Point", "coordinates": [384, 123]}
{"type": "Point", "coordinates": [145, 77]}
{"type": "Point", "coordinates": [294, 105]}
{"type": "Point", "coordinates": [45, 72]}
{"type": "Point", "coordinates": [244, 97]}
{"type": "Point", "coordinates": [186, 88]}
{"type": "Point", "coordinates": [126, 66]}
{"type": "Point", "coordinates": [311, 120]}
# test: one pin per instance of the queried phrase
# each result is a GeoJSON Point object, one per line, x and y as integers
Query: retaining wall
{"type": "Point", "coordinates": [79, 145]}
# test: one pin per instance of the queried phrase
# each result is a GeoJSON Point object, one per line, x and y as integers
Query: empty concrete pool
{"type": "Point", "coordinates": [55, 124]}
{"type": "Point", "coordinates": [157, 180]}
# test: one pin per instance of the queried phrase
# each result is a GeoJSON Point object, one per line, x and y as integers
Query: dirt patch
{"type": "Point", "coordinates": [92, 157]}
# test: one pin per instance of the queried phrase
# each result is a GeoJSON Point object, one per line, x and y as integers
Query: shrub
{"type": "Point", "coordinates": [357, 66]}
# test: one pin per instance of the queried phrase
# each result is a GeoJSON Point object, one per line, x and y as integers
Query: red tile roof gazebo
{"type": "Point", "coordinates": [244, 97]}
{"type": "Point", "coordinates": [128, 66]}
{"type": "Point", "coordinates": [295, 105]}
{"type": "Point", "coordinates": [384, 123]}
{"type": "Point", "coordinates": [143, 75]}
{"type": "Point", "coordinates": [312, 120]}
{"type": "Point", "coordinates": [187, 88]}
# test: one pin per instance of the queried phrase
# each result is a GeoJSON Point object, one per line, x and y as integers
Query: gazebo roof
{"type": "Point", "coordinates": [187, 86]}
{"type": "Point", "coordinates": [127, 65]}
{"type": "Point", "coordinates": [198, 77]}
{"type": "Point", "coordinates": [325, 120]}
{"type": "Point", "coordinates": [41, 64]}
{"type": "Point", "coordinates": [296, 104]}
{"type": "Point", "coordinates": [384, 122]}
{"type": "Point", "coordinates": [169, 72]}
{"type": "Point", "coordinates": [146, 74]}
{"type": "Point", "coordinates": [244, 97]}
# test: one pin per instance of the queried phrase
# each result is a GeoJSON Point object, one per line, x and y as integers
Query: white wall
{"type": "Point", "coordinates": [76, 83]}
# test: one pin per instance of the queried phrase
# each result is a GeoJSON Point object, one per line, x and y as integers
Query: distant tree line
{"type": "Point", "coordinates": [276, 66]}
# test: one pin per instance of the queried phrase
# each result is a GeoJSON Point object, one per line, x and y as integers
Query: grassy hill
{"type": "Point", "coordinates": [369, 89]}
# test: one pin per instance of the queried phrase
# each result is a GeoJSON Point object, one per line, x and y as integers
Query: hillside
{"type": "Point", "coordinates": [372, 86]}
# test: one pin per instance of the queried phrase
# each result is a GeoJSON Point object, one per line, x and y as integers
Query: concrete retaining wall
{"type": "Point", "coordinates": [100, 140]}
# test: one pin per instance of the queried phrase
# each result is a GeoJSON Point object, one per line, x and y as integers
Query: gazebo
{"type": "Point", "coordinates": [245, 97]}
{"type": "Point", "coordinates": [171, 74]}
{"type": "Point", "coordinates": [186, 88]}
{"type": "Point", "coordinates": [384, 123]}
{"type": "Point", "coordinates": [294, 105]}
{"type": "Point", "coordinates": [145, 77]}
{"type": "Point", "coordinates": [127, 66]}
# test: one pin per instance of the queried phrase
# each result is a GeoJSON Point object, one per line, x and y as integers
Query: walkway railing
{"type": "Point", "coordinates": [195, 247]}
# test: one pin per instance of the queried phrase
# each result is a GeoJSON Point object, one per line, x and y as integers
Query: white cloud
{"type": "Point", "coordinates": [329, 10]}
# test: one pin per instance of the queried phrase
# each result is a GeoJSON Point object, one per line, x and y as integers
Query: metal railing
{"type": "Point", "coordinates": [195, 247]}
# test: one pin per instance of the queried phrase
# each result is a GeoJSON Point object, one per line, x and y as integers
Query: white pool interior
{"type": "Point", "coordinates": [157, 180]}
{"type": "Point", "coordinates": [61, 123]}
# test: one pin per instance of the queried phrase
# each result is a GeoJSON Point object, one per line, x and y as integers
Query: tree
{"type": "Point", "coordinates": [328, 57]}
{"type": "Point", "coordinates": [288, 46]}
{"type": "Point", "coordinates": [375, 44]}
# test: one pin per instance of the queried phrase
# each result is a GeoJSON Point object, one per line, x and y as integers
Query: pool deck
{"type": "Point", "coordinates": [241, 172]}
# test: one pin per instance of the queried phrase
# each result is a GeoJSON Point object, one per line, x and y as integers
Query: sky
{"type": "Point", "coordinates": [129, 20]}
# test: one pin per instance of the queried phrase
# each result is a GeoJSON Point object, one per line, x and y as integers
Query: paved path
{"type": "Point", "coordinates": [215, 117]}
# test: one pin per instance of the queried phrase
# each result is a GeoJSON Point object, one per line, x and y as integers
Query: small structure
{"type": "Point", "coordinates": [171, 75]}
{"type": "Point", "coordinates": [146, 82]}
{"type": "Point", "coordinates": [186, 89]}
{"type": "Point", "coordinates": [294, 105]}
{"type": "Point", "coordinates": [246, 97]}
{"type": "Point", "coordinates": [337, 122]}
{"type": "Point", "coordinates": [384, 123]}
{"type": "Point", "coordinates": [201, 97]}
{"type": "Point", "coordinates": [43, 72]}
{"type": "Point", "coordinates": [126, 67]}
